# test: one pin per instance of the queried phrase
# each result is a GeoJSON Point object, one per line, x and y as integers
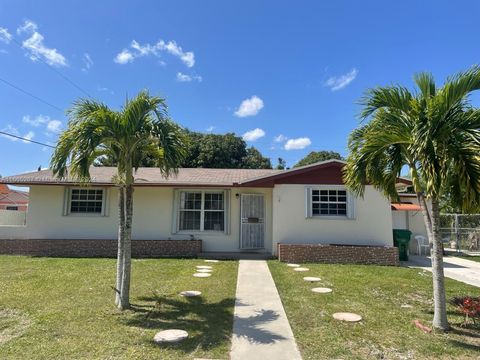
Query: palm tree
{"type": "Point", "coordinates": [140, 128]}
{"type": "Point", "coordinates": [435, 133]}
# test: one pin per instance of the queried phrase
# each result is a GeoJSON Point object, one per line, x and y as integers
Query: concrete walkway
{"type": "Point", "coordinates": [260, 326]}
{"type": "Point", "coordinates": [466, 271]}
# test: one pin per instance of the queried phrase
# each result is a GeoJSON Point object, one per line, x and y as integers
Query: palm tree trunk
{"type": "Point", "coordinates": [121, 242]}
{"type": "Point", "coordinates": [127, 251]}
{"type": "Point", "coordinates": [426, 216]}
{"type": "Point", "coordinates": [439, 299]}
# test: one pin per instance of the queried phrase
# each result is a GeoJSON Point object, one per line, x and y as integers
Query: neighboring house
{"type": "Point", "coordinates": [13, 199]}
{"type": "Point", "coordinates": [280, 212]}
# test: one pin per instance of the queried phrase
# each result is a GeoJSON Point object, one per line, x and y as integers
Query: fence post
{"type": "Point", "coordinates": [457, 234]}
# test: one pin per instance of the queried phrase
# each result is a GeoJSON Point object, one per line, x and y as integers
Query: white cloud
{"type": "Point", "coordinates": [187, 78]}
{"type": "Point", "coordinates": [188, 57]}
{"type": "Point", "coordinates": [210, 129]}
{"type": "Point", "coordinates": [54, 126]}
{"type": "Point", "coordinates": [35, 47]}
{"type": "Point", "coordinates": [339, 82]}
{"type": "Point", "coordinates": [5, 36]}
{"type": "Point", "coordinates": [36, 121]}
{"type": "Point", "coordinates": [280, 138]}
{"type": "Point", "coordinates": [14, 131]}
{"type": "Point", "coordinates": [105, 89]}
{"type": "Point", "coordinates": [171, 47]}
{"type": "Point", "coordinates": [253, 135]}
{"type": "Point", "coordinates": [297, 144]}
{"type": "Point", "coordinates": [87, 61]}
{"type": "Point", "coordinates": [124, 57]}
{"type": "Point", "coordinates": [28, 136]}
{"type": "Point", "coordinates": [27, 27]}
{"type": "Point", "coordinates": [249, 107]}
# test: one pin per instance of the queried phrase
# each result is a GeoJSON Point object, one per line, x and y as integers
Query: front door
{"type": "Point", "coordinates": [252, 221]}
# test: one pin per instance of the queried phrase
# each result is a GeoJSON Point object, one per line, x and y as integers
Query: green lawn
{"type": "Point", "coordinates": [52, 308]}
{"type": "Point", "coordinates": [468, 257]}
{"type": "Point", "coordinates": [376, 293]}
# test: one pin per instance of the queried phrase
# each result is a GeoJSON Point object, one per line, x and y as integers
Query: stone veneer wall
{"type": "Point", "coordinates": [338, 254]}
{"type": "Point", "coordinates": [100, 248]}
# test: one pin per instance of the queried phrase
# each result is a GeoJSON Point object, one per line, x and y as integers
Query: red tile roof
{"type": "Point", "coordinates": [9, 196]}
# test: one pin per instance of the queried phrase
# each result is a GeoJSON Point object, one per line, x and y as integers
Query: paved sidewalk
{"type": "Point", "coordinates": [466, 271]}
{"type": "Point", "coordinates": [260, 326]}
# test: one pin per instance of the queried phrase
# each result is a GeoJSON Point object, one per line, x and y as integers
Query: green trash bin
{"type": "Point", "coordinates": [401, 238]}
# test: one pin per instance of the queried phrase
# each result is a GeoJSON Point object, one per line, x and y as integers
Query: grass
{"type": "Point", "coordinates": [376, 293]}
{"type": "Point", "coordinates": [468, 257]}
{"type": "Point", "coordinates": [53, 308]}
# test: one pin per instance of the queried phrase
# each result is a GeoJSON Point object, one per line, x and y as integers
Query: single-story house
{"type": "Point", "coordinates": [301, 214]}
{"type": "Point", "coordinates": [13, 200]}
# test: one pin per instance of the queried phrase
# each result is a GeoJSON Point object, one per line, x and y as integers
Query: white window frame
{"type": "Point", "coordinates": [68, 202]}
{"type": "Point", "coordinates": [351, 214]}
{"type": "Point", "coordinates": [177, 209]}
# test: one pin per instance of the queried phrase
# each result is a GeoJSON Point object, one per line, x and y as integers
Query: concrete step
{"type": "Point", "coordinates": [236, 255]}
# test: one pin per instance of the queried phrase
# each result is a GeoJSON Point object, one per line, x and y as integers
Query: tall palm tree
{"type": "Point", "coordinates": [140, 128]}
{"type": "Point", "coordinates": [435, 133]}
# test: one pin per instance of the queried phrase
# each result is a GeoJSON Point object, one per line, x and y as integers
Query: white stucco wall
{"type": "Point", "coordinates": [415, 222]}
{"type": "Point", "coordinates": [153, 216]}
{"type": "Point", "coordinates": [372, 224]}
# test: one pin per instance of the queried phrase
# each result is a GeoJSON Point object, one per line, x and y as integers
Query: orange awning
{"type": "Point", "coordinates": [406, 207]}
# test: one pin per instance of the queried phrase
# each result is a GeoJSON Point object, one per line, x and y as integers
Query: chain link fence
{"type": "Point", "coordinates": [461, 232]}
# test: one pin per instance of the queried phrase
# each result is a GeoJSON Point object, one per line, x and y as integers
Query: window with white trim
{"type": "Point", "coordinates": [201, 211]}
{"type": "Point", "coordinates": [86, 201]}
{"type": "Point", "coordinates": [329, 201]}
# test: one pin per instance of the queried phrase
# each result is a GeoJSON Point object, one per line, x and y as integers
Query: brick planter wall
{"type": "Point", "coordinates": [338, 254]}
{"type": "Point", "coordinates": [100, 248]}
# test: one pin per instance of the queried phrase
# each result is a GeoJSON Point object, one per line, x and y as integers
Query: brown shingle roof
{"type": "Point", "coordinates": [150, 176]}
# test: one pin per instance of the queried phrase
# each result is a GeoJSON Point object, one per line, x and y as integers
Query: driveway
{"type": "Point", "coordinates": [456, 268]}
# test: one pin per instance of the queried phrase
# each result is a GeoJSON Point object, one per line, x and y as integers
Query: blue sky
{"type": "Point", "coordinates": [286, 75]}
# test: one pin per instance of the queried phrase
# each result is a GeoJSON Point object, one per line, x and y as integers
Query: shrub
{"type": "Point", "coordinates": [468, 305]}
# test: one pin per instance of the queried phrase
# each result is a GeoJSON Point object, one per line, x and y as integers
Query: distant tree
{"type": "Point", "coordinates": [255, 160]}
{"type": "Point", "coordinates": [282, 164]}
{"type": "Point", "coordinates": [215, 151]}
{"type": "Point", "coordinates": [316, 156]}
{"type": "Point", "coordinates": [226, 151]}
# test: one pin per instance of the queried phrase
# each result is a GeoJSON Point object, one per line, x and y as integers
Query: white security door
{"type": "Point", "coordinates": [252, 227]}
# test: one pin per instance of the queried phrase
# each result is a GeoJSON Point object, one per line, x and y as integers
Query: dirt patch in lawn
{"type": "Point", "coordinates": [13, 323]}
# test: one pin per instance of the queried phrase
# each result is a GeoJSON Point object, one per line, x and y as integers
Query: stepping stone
{"type": "Point", "coordinates": [211, 261]}
{"type": "Point", "coordinates": [201, 275]}
{"type": "Point", "coordinates": [345, 316]}
{"type": "Point", "coordinates": [293, 265]}
{"type": "Point", "coordinates": [203, 267]}
{"type": "Point", "coordinates": [300, 269]}
{"type": "Point", "coordinates": [204, 270]}
{"type": "Point", "coordinates": [170, 336]}
{"type": "Point", "coordinates": [191, 293]}
{"type": "Point", "coordinates": [311, 278]}
{"type": "Point", "coordinates": [322, 290]}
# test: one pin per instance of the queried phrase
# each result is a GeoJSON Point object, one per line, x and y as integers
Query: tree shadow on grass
{"type": "Point", "coordinates": [208, 324]}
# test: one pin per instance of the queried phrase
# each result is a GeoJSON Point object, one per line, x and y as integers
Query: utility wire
{"type": "Point", "coordinates": [64, 77]}
{"type": "Point", "coordinates": [25, 139]}
{"type": "Point", "coordinates": [31, 95]}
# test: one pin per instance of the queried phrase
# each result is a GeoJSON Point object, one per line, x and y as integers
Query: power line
{"type": "Point", "coordinates": [31, 95]}
{"type": "Point", "coordinates": [64, 77]}
{"type": "Point", "coordinates": [26, 139]}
